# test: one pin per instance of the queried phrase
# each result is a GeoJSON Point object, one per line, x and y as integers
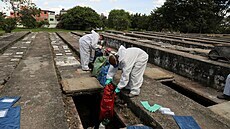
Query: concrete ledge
{"type": "Point", "coordinates": [222, 110]}
{"type": "Point", "coordinates": [80, 85]}
{"type": "Point", "coordinates": [156, 93]}
{"type": "Point", "coordinates": [71, 43]}
{"type": "Point", "coordinates": [8, 44]}
{"type": "Point", "coordinates": [206, 37]}
{"type": "Point", "coordinates": [197, 68]}
{"type": "Point", "coordinates": [174, 41]}
{"type": "Point", "coordinates": [205, 41]}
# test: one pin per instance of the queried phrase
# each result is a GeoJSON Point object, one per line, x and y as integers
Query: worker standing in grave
{"type": "Point", "coordinates": [226, 94]}
{"type": "Point", "coordinates": [133, 62]}
{"type": "Point", "coordinates": [87, 44]}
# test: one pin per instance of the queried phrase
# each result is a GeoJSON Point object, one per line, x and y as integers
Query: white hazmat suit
{"type": "Point", "coordinates": [133, 62]}
{"type": "Point", "coordinates": [227, 86]}
{"type": "Point", "coordinates": [87, 43]}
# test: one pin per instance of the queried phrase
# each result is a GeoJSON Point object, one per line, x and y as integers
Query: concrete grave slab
{"type": "Point", "coordinates": [19, 53]}
{"type": "Point", "coordinates": [65, 47]}
{"type": "Point", "coordinates": [53, 42]}
{"type": "Point", "coordinates": [157, 74]}
{"type": "Point", "coordinates": [152, 73]}
{"type": "Point", "coordinates": [14, 47]}
{"type": "Point", "coordinates": [28, 42]}
{"type": "Point", "coordinates": [23, 47]}
{"type": "Point", "coordinates": [59, 54]}
{"type": "Point", "coordinates": [67, 61]}
{"type": "Point", "coordinates": [26, 38]}
{"type": "Point", "coordinates": [18, 56]}
{"type": "Point", "coordinates": [79, 72]}
{"type": "Point", "coordinates": [82, 84]}
{"type": "Point", "coordinates": [68, 54]}
{"type": "Point", "coordinates": [67, 51]}
{"type": "Point", "coordinates": [7, 54]}
{"type": "Point", "coordinates": [222, 109]}
{"type": "Point", "coordinates": [15, 60]}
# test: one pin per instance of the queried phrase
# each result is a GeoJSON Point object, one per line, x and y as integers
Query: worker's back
{"type": "Point", "coordinates": [133, 55]}
{"type": "Point", "coordinates": [86, 38]}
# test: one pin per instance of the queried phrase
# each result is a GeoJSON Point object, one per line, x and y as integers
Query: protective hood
{"type": "Point", "coordinates": [121, 53]}
{"type": "Point", "coordinates": [95, 34]}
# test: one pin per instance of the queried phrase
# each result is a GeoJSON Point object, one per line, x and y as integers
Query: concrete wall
{"type": "Point", "coordinates": [197, 68]}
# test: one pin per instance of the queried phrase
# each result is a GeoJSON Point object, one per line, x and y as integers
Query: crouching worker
{"type": "Point", "coordinates": [133, 62]}
{"type": "Point", "coordinates": [226, 94]}
{"type": "Point", "coordinates": [87, 43]}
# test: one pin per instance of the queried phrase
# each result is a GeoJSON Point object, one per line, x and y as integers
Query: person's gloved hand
{"type": "Point", "coordinates": [117, 90]}
{"type": "Point", "coordinates": [108, 81]}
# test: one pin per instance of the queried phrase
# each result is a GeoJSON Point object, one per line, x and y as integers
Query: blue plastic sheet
{"type": "Point", "coordinates": [5, 105]}
{"type": "Point", "coordinates": [102, 75]}
{"type": "Point", "coordinates": [12, 119]}
{"type": "Point", "coordinates": [186, 122]}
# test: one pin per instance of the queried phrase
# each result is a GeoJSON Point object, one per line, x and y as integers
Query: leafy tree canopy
{"type": "Point", "coordinates": [119, 19]}
{"type": "Point", "coordinates": [8, 24]}
{"type": "Point", "coordinates": [199, 16]}
{"type": "Point", "coordinates": [80, 18]}
{"type": "Point", "coordinates": [27, 16]}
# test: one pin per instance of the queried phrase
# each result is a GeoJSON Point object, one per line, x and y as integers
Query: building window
{"type": "Point", "coordinates": [11, 13]}
{"type": "Point", "coordinates": [45, 12]}
{"type": "Point", "coordinates": [51, 19]}
{"type": "Point", "coordinates": [45, 19]}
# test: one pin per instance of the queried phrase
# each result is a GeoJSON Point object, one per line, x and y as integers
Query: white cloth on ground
{"type": "Point", "coordinates": [133, 62]}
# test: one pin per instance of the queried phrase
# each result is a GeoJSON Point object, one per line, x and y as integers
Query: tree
{"type": "Point", "coordinates": [27, 16]}
{"type": "Point", "coordinates": [15, 5]}
{"type": "Point", "coordinates": [199, 16]}
{"type": "Point", "coordinates": [1, 18]}
{"type": "Point", "coordinates": [135, 18]}
{"type": "Point", "coordinates": [8, 24]}
{"type": "Point", "coordinates": [139, 22]}
{"type": "Point", "coordinates": [104, 20]}
{"type": "Point", "coordinates": [119, 19]}
{"type": "Point", "coordinates": [80, 18]}
{"type": "Point", "coordinates": [225, 25]}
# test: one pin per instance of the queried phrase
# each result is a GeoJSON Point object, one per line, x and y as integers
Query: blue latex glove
{"type": "Point", "coordinates": [117, 90]}
{"type": "Point", "coordinates": [108, 81]}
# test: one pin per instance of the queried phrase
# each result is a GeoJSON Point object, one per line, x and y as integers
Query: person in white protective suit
{"type": "Point", "coordinates": [226, 93]}
{"type": "Point", "coordinates": [87, 43]}
{"type": "Point", "coordinates": [133, 62]}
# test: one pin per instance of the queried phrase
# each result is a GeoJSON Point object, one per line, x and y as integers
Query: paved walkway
{"type": "Point", "coordinates": [35, 80]}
